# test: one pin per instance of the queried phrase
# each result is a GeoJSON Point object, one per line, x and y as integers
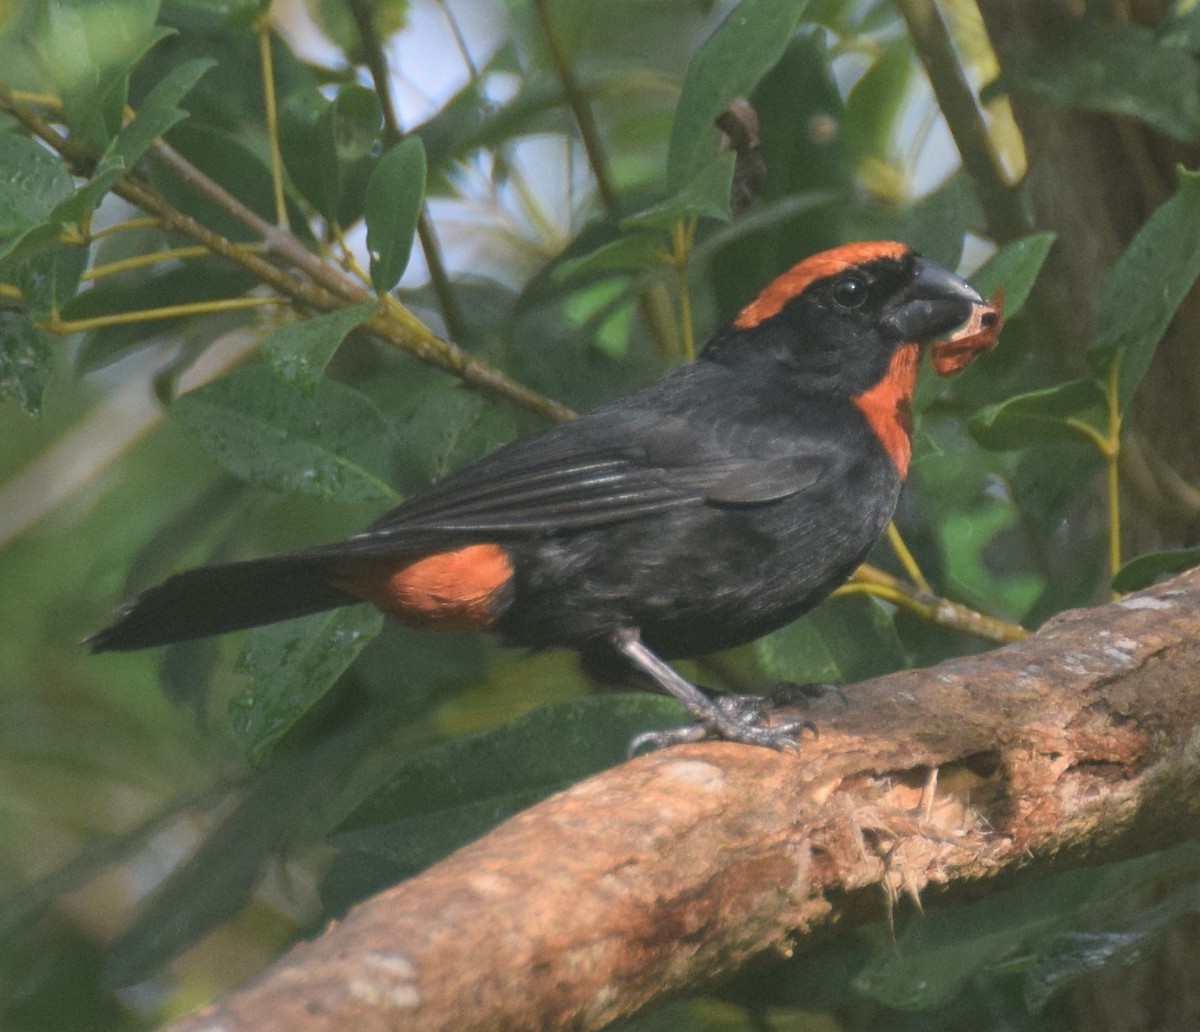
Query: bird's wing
{"type": "Point", "coordinates": [609, 466]}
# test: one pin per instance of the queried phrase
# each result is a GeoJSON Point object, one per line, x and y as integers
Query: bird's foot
{"type": "Point", "coordinates": [732, 718]}
{"type": "Point", "coordinates": [729, 717]}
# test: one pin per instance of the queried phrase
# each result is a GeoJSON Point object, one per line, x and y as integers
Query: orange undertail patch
{"type": "Point", "coordinates": [455, 591]}
{"type": "Point", "coordinates": [888, 406]}
{"type": "Point", "coordinates": [783, 288]}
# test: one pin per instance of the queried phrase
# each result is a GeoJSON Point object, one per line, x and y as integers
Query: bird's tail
{"type": "Point", "coordinates": [216, 599]}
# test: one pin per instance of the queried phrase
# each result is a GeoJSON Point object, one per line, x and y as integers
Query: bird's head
{"type": "Point", "coordinates": [837, 318]}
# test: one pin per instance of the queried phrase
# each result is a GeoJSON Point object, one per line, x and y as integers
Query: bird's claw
{"type": "Point", "coordinates": [735, 718]}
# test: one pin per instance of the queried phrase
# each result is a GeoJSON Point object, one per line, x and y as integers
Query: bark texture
{"type": "Point", "coordinates": [1080, 744]}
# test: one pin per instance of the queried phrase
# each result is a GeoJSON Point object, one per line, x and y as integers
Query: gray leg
{"type": "Point", "coordinates": [727, 717]}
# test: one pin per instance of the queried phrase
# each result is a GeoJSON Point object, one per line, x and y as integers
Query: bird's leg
{"type": "Point", "coordinates": [726, 717]}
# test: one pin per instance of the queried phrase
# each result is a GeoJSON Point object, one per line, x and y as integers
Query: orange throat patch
{"type": "Point", "coordinates": [454, 591]}
{"type": "Point", "coordinates": [888, 406]}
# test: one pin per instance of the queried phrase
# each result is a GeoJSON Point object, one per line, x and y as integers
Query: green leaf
{"type": "Point", "coordinates": [1124, 939]}
{"type": "Point", "coordinates": [355, 118]}
{"type": "Point", "coordinates": [1150, 280]}
{"type": "Point", "coordinates": [333, 444]}
{"type": "Point", "coordinates": [292, 665]}
{"type": "Point", "coordinates": [33, 182]}
{"type": "Point", "coordinates": [276, 810]}
{"type": "Point", "coordinates": [729, 64]}
{"type": "Point", "coordinates": [80, 205]}
{"type": "Point", "coordinates": [299, 352]}
{"type": "Point", "coordinates": [1025, 929]}
{"type": "Point", "coordinates": [451, 793]}
{"type": "Point", "coordinates": [1146, 569]}
{"type": "Point", "coordinates": [395, 192]}
{"type": "Point", "coordinates": [632, 253]}
{"type": "Point", "coordinates": [1039, 417]}
{"type": "Point", "coordinates": [969, 536]}
{"type": "Point", "coordinates": [1014, 267]}
{"type": "Point", "coordinates": [936, 225]}
{"type": "Point", "coordinates": [1115, 67]}
{"type": "Point", "coordinates": [307, 151]}
{"type": "Point", "coordinates": [844, 640]}
{"type": "Point", "coordinates": [875, 102]}
{"type": "Point", "coordinates": [159, 111]}
{"type": "Point", "coordinates": [706, 195]}
{"type": "Point", "coordinates": [1181, 26]}
{"type": "Point", "coordinates": [106, 42]}
{"type": "Point", "coordinates": [451, 427]}
{"type": "Point", "coordinates": [48, 278]}
{"type": "Point", "coordinates": [25, 361]}
{"type": "Point", "coordinates": [327, 147]}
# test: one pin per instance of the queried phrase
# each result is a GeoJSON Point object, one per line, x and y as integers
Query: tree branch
{"type": "Point", "coordinates": [673, 869]}
{"type": "Point", "coordinates": [931, 39]}
{"type": "Point", "coordinates": [331, 287]}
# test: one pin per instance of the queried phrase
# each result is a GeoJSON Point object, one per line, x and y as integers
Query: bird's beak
{"type": "Point", "coordinates": [933, 304]}
{"type": "Point", "coordinates": [936, 302]}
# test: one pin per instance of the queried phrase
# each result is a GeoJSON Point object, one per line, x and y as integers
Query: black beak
{"type": "Point", "coordinates": [934, 303]}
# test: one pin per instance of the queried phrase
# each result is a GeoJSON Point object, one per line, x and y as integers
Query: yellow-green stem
{"type": "Point", "coordinates": [683, 234]}
{"type": "Point", "coordinates": [907, 560]}
{"type": "Point", "coordinates": [1112, 456]}
{"type": "Point", "coordinates": [1108, 444]}
{"type": "Point", "coordinates": [870, 580]}
{"type": "Point", "coordinates": [141, 261]}
{"type": "Point", "coordinates": [268, 75]}
{"type": "Point", "coordinates": [141, 222]}
{"type": "Point", "coordinates": [65, 326]}
{"type": "Point", "coordinates": [46, 100]}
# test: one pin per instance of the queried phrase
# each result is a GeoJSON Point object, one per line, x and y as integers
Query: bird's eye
{"type": "Point", "coordinates": [850, 291]}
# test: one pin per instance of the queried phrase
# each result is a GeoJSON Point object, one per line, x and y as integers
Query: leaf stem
{"type": "Point", "coordinates": [230, 304]}
{"type": "Point", "coordinates": [140, 222]}
{"type": "Point", "coordinates": [907, 559]}
{"type": "Point", "coordinates": [267, 62]}
{"type": "Point", "coordinates": [46, 100]}
{"type": "Point", "coordinates": [1113, 458]}
{"type": "Point", "coordinates": [141, 261]}
{"type": "Point", "coordinates": [683, 235]}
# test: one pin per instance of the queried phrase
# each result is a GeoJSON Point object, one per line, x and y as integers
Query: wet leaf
{"type": "Point", "coordinates": [332, 443]}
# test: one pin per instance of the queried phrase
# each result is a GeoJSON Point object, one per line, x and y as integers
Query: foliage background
{"type": "Point", "coordinates": [169, 821]}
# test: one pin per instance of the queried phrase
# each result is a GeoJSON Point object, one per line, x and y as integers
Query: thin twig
{"type": "Point", "coordinates": [931, 39]}
{"type": "Point", "coordinates": [588, 130]}
{"type": "Point", "coordinates": [279, 240]}
{"type": "Point", "coordinates": [272, 110]}
{"type": "Point", "coordinates": [376, 61]}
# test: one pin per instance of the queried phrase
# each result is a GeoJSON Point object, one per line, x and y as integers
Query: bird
{"type": "Point", "coordinates": [713, 506]}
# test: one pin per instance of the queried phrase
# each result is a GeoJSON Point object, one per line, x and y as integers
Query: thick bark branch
{"type": "Point", "coordinates": [675, 868]}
